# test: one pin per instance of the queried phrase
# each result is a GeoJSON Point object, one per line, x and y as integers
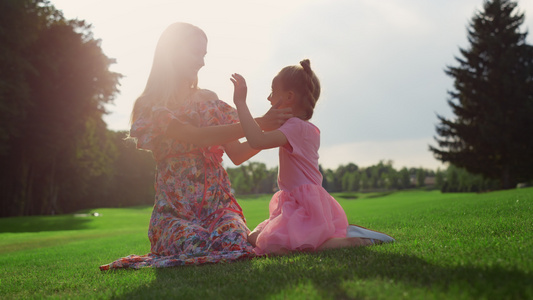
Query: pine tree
{"type": "Point", "coordinates": [492, 99]}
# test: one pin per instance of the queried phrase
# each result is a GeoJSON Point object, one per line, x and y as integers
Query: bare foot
{"type": "Point", "coordinates": [344, 242]}
{"type": "Point", "coordinates": [252, 237]}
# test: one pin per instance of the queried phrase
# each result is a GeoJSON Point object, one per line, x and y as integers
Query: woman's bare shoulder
{"type": "Point", "coordinates": [203, 95]}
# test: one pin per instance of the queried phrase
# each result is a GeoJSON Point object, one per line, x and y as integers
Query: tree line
{"type": "Point", "coordinates": [256, 178]}
{"type": "Point", "coordinates": [55, 150]}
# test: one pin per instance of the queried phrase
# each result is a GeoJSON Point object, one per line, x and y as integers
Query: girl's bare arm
{"type": "Point", "coordinates": [254, 135]}
{"type": "Point", "coordinates": [239, 152]}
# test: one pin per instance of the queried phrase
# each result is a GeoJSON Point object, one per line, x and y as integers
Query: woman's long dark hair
{"type": "Point", "coordinates": [165, 74]}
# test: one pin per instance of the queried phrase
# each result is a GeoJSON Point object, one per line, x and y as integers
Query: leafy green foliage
{"type": "Point", "coordinates": [16, 37]}
{"type": "Point", "coordinates": [253, 178]}
{"type": "Point", "coordinates": [133, 178]}
{"type": "Point", "coordinates": [54, 142]}
{"type": "Point", "coordinates": [460, 180]}
{"type": "Point", "coordinates": [381, 177]}
{"type": "Point", "coordinates": [492, 99]}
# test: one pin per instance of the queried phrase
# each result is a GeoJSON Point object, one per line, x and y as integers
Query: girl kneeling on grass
{"type": "Point", "coordinates": [303, 216]}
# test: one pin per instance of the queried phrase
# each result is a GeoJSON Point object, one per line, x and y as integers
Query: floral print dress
{"type": "Point", "coordinates": [195, 219]}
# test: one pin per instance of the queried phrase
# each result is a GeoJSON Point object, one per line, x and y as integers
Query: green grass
{"type": "Point", "coordinates": [449, 246]}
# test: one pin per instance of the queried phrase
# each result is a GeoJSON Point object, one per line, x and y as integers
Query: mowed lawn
{"type": "Point", "coordinates": [448, 246]}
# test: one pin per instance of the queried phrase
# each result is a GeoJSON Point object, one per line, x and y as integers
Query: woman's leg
{"type": "Point", "coordinates": [229, 233]}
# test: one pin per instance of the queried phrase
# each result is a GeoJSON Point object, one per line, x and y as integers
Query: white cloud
{"type": "Point", "coordinates": [403, 153]}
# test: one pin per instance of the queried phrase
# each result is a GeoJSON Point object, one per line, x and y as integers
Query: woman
{"type": "Point", "coordinates": [195, 218]}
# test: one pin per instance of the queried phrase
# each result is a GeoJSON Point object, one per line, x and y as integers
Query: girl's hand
{"type": "Point", "coordinates": [274, 117]}
{"type": "Point", "coordinates": [240, 89]}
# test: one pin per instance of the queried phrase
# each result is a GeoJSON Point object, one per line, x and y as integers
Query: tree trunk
{"type": "Point", "coordinates": [53, 191]}
{"type": "Point", "coordinates": [30, 205]}
{"type": "Point", "coordinates": [507, 180]}
{"type": "Point", "coordinates": [22, 189]}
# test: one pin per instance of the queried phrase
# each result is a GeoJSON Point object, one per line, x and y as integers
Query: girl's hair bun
{"type": "Point", "coordinates": [306, 65]}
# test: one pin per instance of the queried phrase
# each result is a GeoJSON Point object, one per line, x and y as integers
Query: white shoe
{"type": "Point", "coordinates": [361, 232]}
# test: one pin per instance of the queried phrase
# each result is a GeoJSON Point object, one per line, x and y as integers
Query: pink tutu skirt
{"type": "Point", "coordinates": [300, 220]}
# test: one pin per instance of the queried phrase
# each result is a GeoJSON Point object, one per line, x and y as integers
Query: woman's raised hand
{"type": "Point", "coordinates": [274, 117]}
{"type": "Point", "coordinates": [240, 89]}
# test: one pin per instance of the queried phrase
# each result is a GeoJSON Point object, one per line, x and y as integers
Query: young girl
{"type": "Point", "coordinates": [303, 216]}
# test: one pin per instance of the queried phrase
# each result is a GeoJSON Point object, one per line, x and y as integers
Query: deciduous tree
{"type": "Point", "coordinates": [51, 111]}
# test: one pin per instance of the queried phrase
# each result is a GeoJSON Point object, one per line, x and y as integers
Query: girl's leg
{"type": "Point", "coordinates": [344, 242]}
{"type": "Point", "coordinates": [252, 236]}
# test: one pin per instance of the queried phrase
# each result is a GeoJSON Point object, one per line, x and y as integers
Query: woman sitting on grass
{"type": "Point", "coordinates": [303, 216]}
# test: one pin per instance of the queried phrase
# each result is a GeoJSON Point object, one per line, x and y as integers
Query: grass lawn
{"type": "Point", "coordinates": [448, 246]}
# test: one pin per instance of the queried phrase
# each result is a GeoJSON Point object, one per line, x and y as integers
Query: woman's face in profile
{"type": "Point", "coordinates": [192, 57]}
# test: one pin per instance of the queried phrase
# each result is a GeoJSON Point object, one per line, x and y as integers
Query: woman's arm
{"type": "Point", "coordinates": [254, 135]}
{"type": "Point", "coordinates": [240, 152]}
{"type": "Point", "coordinates": [223, 134]}
{"type": "Point", "coordinates": [204, 136]}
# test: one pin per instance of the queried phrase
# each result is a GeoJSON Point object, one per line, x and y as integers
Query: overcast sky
{"type": "Point", "coordinates": [381, 62]}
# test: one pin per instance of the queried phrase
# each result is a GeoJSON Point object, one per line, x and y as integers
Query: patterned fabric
{"type": "Point", "coordinates": [195, 219]}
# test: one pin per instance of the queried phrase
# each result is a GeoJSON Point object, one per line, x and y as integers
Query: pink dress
{"type": "Point", "coordinates": [302, 214]}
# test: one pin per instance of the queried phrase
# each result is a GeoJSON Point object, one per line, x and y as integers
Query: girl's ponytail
{"type": "Point", "coordinates": [311, 92]}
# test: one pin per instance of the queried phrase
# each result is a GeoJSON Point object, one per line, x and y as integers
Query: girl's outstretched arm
{"type": "Point", "coordinates": [254, 135]}
{"type": "Point", "coordinates": [239, 152]}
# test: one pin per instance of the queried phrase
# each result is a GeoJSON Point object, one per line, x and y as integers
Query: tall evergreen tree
{"type": "Point", "coordinates": [492, 99]}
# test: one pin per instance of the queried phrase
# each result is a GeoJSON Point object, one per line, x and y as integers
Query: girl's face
{"type": "Point", "coordinates": [278, 96]}
{"type": "Point", "coordinates": [191, 57]}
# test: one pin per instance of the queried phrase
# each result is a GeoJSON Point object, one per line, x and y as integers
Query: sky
{"type": "Point", "coordinates": [381, 63]}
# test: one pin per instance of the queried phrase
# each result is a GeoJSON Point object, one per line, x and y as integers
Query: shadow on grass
{"type": "Point", "coordinates": [43, 223]}
{"type": "Point", "coordinates": [341, 273]}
